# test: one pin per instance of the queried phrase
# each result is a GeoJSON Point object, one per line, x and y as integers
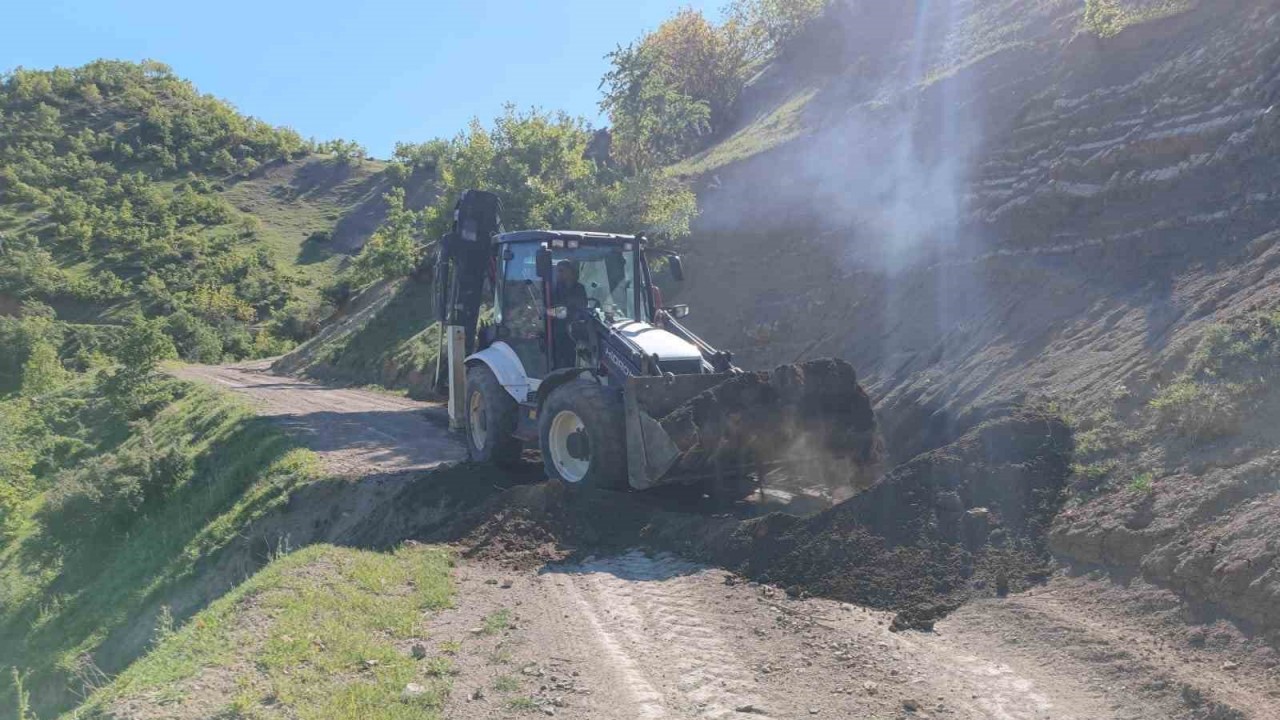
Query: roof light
{"type": "Point", "coordinates": [627, 246]}
{"type": "Point", "coordinates": [573, 244]}
{"type": "Point", "coordinates": [557, 243]}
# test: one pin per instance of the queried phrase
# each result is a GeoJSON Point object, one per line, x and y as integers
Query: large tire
{"type": "Point", "coordinates": [490, 419]}
{"type": "Point", "coordinates": [582, 436]}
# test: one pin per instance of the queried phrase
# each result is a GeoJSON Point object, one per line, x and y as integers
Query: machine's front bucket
{"type": "Point", "coordinates": [684, 427]}
{"type": "Point", "coordinates": [651, 453]}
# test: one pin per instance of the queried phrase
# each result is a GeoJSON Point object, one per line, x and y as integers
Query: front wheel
{"type": "Point", "coordinates": [491, 419]}
{"type": "Point", "coordinates": [582, 437]}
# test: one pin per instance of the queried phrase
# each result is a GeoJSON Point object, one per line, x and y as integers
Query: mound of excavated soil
{"type": "Point", "coordinates": [970, 517]}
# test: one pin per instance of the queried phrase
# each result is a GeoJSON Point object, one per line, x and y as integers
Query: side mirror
{"type": "Point", "coordinates": [677, 269]}
{"type": "Point", "coordinates": [678, 311]}
{"type": "Point", "coordinates": [544, 264]}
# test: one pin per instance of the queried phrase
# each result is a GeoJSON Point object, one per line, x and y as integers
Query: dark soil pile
{"type": "Point", "coordinates": [968, 518]}
{"type": "Point", "coordinates": [812, 408]}
{"type": "Point", "coordinates": [971, 516]}
{"type": "Point", "coordinates": [528, 526]}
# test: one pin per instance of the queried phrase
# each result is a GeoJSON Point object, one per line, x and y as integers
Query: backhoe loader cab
{"type": "Point", "coordinates": [581, 358]}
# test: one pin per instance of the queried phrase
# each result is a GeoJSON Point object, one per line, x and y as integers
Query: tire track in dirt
{"type": "Point", "coordinates": [659, 615]}
{"type": "Point", "coordinates": [646, 700]}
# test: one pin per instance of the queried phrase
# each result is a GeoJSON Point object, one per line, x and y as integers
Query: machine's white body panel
{"type": "Point", "coordinates": [506, 366]}
{"type": "Point", "coordinates": [656, 341]}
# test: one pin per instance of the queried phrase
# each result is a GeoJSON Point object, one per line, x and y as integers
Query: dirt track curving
{"type": "Point", "coordinates": [355, 432]}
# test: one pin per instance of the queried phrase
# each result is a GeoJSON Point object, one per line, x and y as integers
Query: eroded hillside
{"type": "Point", "coordinates": [995, 203]}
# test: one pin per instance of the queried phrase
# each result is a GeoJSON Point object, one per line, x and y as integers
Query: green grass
{"type": "Point", "coordinates": [1093, 472]}
{"type": "Point", "coordinates": [292, 204]}
{"type": "Point", "coordinates": [506, 683]}
{"type": "Point", "coordinates": [782, 124]}
{"type": "Point", "coordinates": [1108, 18]}
{"type": "Point", "coordinates": [1142, 483]}
{"type": "Point", "coordinates": [496, 622]}
{"type": "Point", "coordinates": [103, 600]}
{"type": "Point", "coordinates": [522, 704]}
{"type": "Point", "coordinates": [1200, 411]}
{"type": "Point", "coordinates": [316, 634]}
{"type": "Point", "coordinates": [394, 347]}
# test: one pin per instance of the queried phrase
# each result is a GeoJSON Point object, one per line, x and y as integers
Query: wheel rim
{"type": "Point", "coordinates": [570, 449]}
{"type": "Point", "coordinates": [477, 422]}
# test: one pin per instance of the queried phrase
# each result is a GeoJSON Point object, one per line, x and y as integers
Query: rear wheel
{"type": "Point", "coordinates": [491, 419]}
{"type": "Point", "coordinates": [582, 437]}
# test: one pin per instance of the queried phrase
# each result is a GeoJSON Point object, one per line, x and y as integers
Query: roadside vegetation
{"type": "Point", "coordinates": [324, 632]}
{"type": "Point", "coordinates": [110, 175]}
{"type": "Point", "coordinates": [1108, 18]}
{"type": "Point", "coordinates": [116, 483]}
{"type": "Point", "coordinates": [1224, 389]}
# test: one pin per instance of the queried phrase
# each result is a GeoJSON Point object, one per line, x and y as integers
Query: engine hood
{"type": "Point", "coordinates": [655, 341]}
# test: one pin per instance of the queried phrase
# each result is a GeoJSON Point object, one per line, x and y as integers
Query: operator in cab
{"type": "Point", "coordinates": [569, 294]}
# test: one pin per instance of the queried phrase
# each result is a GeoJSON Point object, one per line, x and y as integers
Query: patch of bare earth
{"type": "Point", "coordinates": [638, 636]}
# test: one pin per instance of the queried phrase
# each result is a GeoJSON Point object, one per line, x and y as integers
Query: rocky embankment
{"type": "Point", "coordinates": [995, 205]}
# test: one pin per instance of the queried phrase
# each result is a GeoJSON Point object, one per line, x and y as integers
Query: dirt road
{"type": "Point", "coordinates": [654, 636]}
{"type": "Point", "coordinates": [355, 432]}
{"type": "Point", "coordinates": [635, 636]}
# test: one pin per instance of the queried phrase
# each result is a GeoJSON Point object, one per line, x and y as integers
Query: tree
{"type": "Point", "coordinates": [669, 92]}
{"type": "Point", "coordinates": [393, 250]}
{"type": "Point", "coordinates": [344, 151]}
{"type": "Point", "coordinates": [767, 26]}
{"type": "Point", "coordinates": [43, 372]}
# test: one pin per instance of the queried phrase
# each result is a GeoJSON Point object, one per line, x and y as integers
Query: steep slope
{"type": "Point", "coordinates": [996, 203]}
{"type": "Point", "coordinates": [124, 190]}
{"type": "Point", "coordinates": [387, 335]}
{"type": "Point", "coordinates": [131, 510]}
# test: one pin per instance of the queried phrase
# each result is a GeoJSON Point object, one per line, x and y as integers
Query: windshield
{"type": "Point", "coordinates": [607, 274]}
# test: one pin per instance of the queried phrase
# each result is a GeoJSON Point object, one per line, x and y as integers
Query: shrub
{"type": "Point", "coordinates": [1142, 483]}
{"type": "Point", "coordinates": [298, 321]}
{"type": "Point", "coordinates": [339, 291]}
{"type": "Point", "coordinates": [1103, 18]}
{"type": "Point", "coordinates": [1197, 410]}
{"type": "Point", "coordinates": [106, 496]}
{"type": "Point", "coordinates": [43, 372]}
{"type": "Point", "coordinates": [131, 387]}
{"type": "Point", "coordinates": [193, 339]}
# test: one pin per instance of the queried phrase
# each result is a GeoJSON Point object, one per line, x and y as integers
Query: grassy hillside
{"type": "Point", "coordinates": [312, 213]}
{"type": "Point", "coordinates": [325, 633]}
{"type": "Point", "coordinates": [112, 515]}
{"type": "Point", "coordinates": [123, 190]}
{"type": "Point", "coordinates": [386, 336]}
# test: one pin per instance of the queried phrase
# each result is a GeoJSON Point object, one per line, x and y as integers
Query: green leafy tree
{"type": "Point", "coordinates": [43, 372]}
{"type": "Point", "coordinates": [131, 387]}
{"type": "Point", "coordinates": [670, 91]}
{"type": "Point", "coordinates": [393, 250]}
{"type": "Point", "coordinates": [767, 26]}
{"type": "Point", "coordinates": [344, 151]}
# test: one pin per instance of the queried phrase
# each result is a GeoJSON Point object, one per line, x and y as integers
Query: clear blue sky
{"type": "Point", "coordinates": [376, 72]}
